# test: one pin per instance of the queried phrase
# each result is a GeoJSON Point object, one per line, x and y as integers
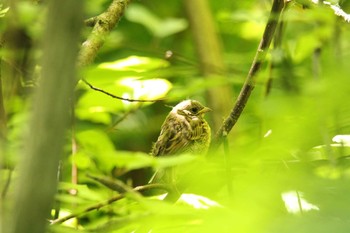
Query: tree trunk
{"type": "Point", "coordinates": [37, 171]}
{"type": "Point", "coordinates": [209, 52]}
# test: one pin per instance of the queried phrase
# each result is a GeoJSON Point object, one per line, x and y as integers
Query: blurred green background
{"type": "Point", "coordinates": [288, 164]}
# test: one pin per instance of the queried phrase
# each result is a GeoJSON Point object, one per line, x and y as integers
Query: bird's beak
{"type": "Point", "coordinates": [205, 110]}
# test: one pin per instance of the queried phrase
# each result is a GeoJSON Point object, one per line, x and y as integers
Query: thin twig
{"type": "Point", "coordinates": [109, 201]}
{"type": "Point", "coordinates": [112, 184]}
{"type": "Point", "coordinates": [230, 121]}
{"type": "Point", "coordinates": [114, 96]}
{"type": "Point", "coordinates": [102, 24]}
{"type": "Point", "coordinates": [124, 116]}
{"type": "Point", "coordinates": [299, 202]}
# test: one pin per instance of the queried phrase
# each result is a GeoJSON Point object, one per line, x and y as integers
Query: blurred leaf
{"type": "Point", "coordinates": [83, 194]}
{"type": "Point", "coordinates": [94, 139]}
{"type": "Point", "coordinates": [170, 161]}
{"type": "Point", "coordinates": [122, 78]}
{"type": "Point", "coordinates": [135, 63]}
{"type": "Point", "coordinates": [150, 89]}
{"type": "Point", "coordinates": [252, 30]}
{"type": "Point", "coordinates": [3, 11]}
{"type": "Point", "coordinates": [81, 160]}
{"type": "Point", "coordinates": [96, 107]}
{"type": "Point", "coordinates": [158, 27]}
{"type": "Point", "coordinates": [136, 160]}
{"type": "Point", "coordinates": [198, 84]}
{"type": "Point", "coordinates": [97, 146]}
{"type": "Point", "coordinates": [305, 47]}
{"type": "Point", "coordinates": [133, 160]}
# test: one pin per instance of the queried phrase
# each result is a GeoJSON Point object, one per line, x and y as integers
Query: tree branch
{"type": "Point", "coordinates": [114, 96]}
{"type": "Point", "coordinates": [109, 201]}
{"type": "Point", "coordinates": [230, 121]}
{"type": "Point", "coordinates": [103, 25]}
{"type": "Point", "coordinates": [45, 138]}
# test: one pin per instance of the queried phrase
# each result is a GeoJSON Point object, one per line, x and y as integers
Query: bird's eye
{"type": "Point", "coordinates": [194, 109]}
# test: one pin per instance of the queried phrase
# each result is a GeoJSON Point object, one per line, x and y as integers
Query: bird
{"type": "Point", "coordinates": [184, 131]}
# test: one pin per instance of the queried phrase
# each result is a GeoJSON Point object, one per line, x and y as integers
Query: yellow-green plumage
{"type": "Point", "coordinates": [184, 130]}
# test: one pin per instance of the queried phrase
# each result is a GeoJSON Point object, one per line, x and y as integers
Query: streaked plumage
{"type": "Point", "coordinates": [184, 130]}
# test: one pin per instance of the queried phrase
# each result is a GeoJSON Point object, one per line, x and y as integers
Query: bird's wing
{"type": "Point", "coordinates": [197, 129]}
{"type": "Point", "coordinates": [175, 136]}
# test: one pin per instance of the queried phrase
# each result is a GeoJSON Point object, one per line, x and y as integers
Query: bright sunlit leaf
{"type": "Point", "coordinates": [268, 133]}
{"type": "Point", "coordinates": [3, 11]}
{"type": "Point", "coordinates": [147, 89]}
{"type": "Point", "coordinates": [295, 203]}
{"type": "Point", "coordinates": [73, 222]}
{"type": "Point", "coordinates": [197, 201]}
{"type": "Point", "coordinates": [342, 139]}
{"type": "Point", "coordinates": [135, 63]}
{"type": "Point", "coordinates": [129, 78]}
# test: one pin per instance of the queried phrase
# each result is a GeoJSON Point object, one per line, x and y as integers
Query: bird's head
{"type": "Point", "coordinates": [191, 108]}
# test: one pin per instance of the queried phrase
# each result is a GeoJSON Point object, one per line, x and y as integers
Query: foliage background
{"type": "Point", "coordinates": [287, 167]}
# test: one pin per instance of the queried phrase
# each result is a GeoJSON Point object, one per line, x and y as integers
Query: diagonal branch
{"type": "Point", "coordinates": [110, 201]}
{"type": "Point", "coordinates": [103, 25]}
{"type": "Point", "coordinates": [230, 121]}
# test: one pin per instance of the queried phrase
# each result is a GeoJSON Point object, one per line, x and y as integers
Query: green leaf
{"type": "Point", "coordinates": [133, 160]}
{"type": "Point", "coordinates": [158, 27]}
{"type": "Point", "coordinates": [3, 11]}
{"type": "Point", "coordinates": [98, 146]}
{"type": "Point", "coordinates": [81, 160]}
{"type": "Point", "coordinates": [150, 89]}
{"type": "Point", "coordinates": [170, 161]}
{"type": "Point", "coordinates": [136, 160]}
{"type": "Point", "coordinates": [122, 78]}
{"type": "Point", "coordinates": [135, 63]}
{"type": "Point", "coordinates": [94, 139]}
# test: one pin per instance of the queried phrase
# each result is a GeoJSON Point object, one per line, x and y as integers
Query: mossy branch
{"type": "Point", "coordinates": [103, 25]}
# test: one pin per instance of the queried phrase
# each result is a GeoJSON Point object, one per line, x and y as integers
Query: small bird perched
{"type": "Point", "coordinates": [184, 130]}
